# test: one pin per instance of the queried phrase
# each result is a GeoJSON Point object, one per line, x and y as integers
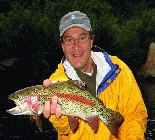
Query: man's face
{"type": "Point", "coordinates": [77, 48]}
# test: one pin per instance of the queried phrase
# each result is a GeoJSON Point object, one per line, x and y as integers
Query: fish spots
{"type": "Point", "coordinates": [32, 102]}
{"type": "Point", "coordinates": [76, 98]}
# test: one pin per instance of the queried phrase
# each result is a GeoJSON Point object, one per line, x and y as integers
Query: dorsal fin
{"type": "Point", "coordinates": [77, 83]}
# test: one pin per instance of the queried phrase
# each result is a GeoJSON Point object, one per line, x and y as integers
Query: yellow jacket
{"type": "Point", "coordinates": [122, 95]}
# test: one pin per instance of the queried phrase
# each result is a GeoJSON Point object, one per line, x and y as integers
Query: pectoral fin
{"type": "Point", "coordinates": [38, 121]}
{"type": "Point", "coordinates": [32, 118]}
{"type": "Point", "coordinates": [93, 122]}
{"type": "Point", "coordinates": [74, 123]}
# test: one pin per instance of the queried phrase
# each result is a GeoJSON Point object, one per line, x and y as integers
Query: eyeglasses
{"type": "Point", "coordinates": [71, 41]}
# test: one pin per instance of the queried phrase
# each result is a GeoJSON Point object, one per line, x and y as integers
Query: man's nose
{"type": "Point", "coordinates": [76, 41]}
{"type": "Point", "coordinates": [76, 44]}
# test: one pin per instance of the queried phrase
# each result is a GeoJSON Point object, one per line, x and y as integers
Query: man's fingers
{"type": "Point", "coordinates": [46, 111]}
{"type": "Point", "coordinates": [52, 108]}
{"type": "Point", "coordinates": [54, 104]}
{"type": "Point", "coordinates": [58, 111]}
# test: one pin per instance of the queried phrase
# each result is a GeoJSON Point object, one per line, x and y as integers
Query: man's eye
{"type": "Point", "coordinates": [82, 38]}
{"type": "Point", "coordinates": [69, 40]}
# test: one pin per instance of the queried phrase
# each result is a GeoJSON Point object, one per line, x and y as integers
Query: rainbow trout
{"type": "Point", "coordinates": [75, 103]}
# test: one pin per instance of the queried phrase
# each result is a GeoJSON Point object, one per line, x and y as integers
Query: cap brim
{"type": "Point", "coordinates": [87, 28]}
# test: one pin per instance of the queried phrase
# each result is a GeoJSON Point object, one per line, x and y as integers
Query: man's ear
{"type": "Point", "coordinates": [92, 43]}
{"type": "Point", "coordinates": [62, 46]}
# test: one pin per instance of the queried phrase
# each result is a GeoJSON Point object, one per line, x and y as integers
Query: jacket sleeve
{"type": "Point", "coordinates": [131, 106]}
{"type": "Point", "coordinates": [61, 125]}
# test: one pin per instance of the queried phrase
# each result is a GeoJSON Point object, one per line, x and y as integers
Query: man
{"type": "Point", "coordinates": [106, 77]}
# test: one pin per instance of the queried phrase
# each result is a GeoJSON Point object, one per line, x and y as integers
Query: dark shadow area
{"type": "Point", "coordinates": [15, 76]}
{"type": "Point", "coordinates": [147, 87]}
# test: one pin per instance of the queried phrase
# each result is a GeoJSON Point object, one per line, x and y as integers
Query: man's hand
{"type": "Point", "coordinates": [51, 108]}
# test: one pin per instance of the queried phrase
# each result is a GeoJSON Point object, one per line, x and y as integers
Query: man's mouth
{"type": "Point", "coordinates": [77, 55]}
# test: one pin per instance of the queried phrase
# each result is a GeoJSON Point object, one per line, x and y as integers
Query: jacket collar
{"type": "Point", "coordinates": [103, 67]}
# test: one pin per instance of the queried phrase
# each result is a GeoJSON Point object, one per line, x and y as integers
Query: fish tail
{"type": "Point", "coordinates": [113, 120]}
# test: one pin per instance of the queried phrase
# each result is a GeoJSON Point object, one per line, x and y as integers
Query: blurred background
{"type": "Point", "coordinates": [30, 50]}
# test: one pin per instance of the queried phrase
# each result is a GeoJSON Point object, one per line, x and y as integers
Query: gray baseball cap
{"type": "Point", "coordinates": [74, 19]}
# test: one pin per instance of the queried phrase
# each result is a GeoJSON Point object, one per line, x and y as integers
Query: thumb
{"type": "Point", "coordinates": [46, 83]}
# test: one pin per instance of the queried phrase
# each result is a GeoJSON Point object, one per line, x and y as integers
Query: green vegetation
{"type": "Point", "coordinates": [122, 28]}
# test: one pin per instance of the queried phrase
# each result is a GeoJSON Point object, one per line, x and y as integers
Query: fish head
{"type": "Point", "coordinates": [26, 101]}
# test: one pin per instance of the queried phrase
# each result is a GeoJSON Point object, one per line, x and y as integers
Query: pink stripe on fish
{"type": "Point", "coordinates": [76, 98]}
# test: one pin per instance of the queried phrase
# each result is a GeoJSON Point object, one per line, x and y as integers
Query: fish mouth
{"type": "Point", "coordinates": [21, 108]}
{"type": "Point", "coordinates": [17, 111]}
